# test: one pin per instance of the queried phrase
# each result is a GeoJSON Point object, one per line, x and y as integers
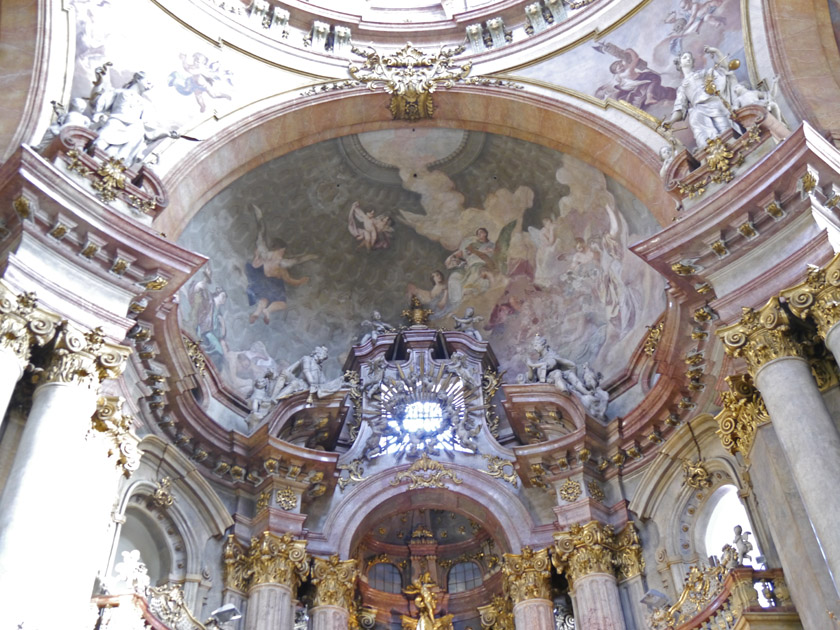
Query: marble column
{"type": "Point", "coordinates": [270, 571]}
{"type": "Point", "coordinates": [335, 584]}
{"type": "Point", "coordinates": [803, 424]}
{"type": "Point", "coordinates": [527, 584]}
{"type": "Point", "coordinates": [22, 325]}
{"type": "Point", "coordinates": [587, 555]}
{"type": "Point", "coordinates": [55, 506]}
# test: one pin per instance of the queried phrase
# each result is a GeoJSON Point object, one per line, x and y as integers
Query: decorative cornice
{"type": "Point", "coordinates": [334, 581]}
{"type": "Point", "coordinates": [585, 549]}
{"type": "Point", "coordinates": [526, 576]}
{"type": "Point", "coordinates": [269, 559]}
{"type": "Point", "coordinates": [743, 412]}
{"type": "Point", "coordinates": [818, 296]}
{"type": "Point", "coordinates": [761, 336]}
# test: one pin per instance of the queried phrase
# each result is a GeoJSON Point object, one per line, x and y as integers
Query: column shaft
{"type": "Point", "coordinates": [597, 603]}
{"type": "Point", "coordinates": [269, 607]}
{"type": "Point", "coordinates": [11, 369]}
{"type": "Point", "coordinates": [330, 618]}
{"type": "Point", "coordinates": [811, 444]}
{"type": "Point", "coordinates": [52, 511]}
{"type": "Point", "coordinates": [534, 614]}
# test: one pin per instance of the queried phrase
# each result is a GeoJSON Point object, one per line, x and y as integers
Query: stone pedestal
{"type": "Point", "coordinates": [53, 512]}
{"type": "Point", "coordinates": [811, 444]}
{"type": "Point", "coordinates": [270, 607]}
{"type": "Point", "coordinates": [597, 603]}
{"type": "Point", "coordinates": [329, 618]}
{"type": "Point", "coordinates": [534, 614]}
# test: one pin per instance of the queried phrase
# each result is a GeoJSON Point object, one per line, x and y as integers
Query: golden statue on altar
{"type": "Point", "coordinates": [425, 592]}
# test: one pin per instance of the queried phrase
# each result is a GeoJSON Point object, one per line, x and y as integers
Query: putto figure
{"type": "Point", "coordinates": [306, 374]}
{"type": "Point", "coordinates": [377, 327]}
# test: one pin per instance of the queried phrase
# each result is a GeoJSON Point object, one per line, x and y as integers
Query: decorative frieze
{"type": "Point", "coordinates": [334, 581]}
{"type": "Point", "coordinates": [526, 576]}
{"type": "Point", "coordinates": [761, 336]}
{"type": "Point", "coordinates": [743, 412]}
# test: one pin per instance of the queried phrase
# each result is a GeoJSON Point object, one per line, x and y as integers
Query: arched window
{"type": "Point", "coordinates": [724, 511]}
{"type": "Point", "coordinates": [463, 577]}
{"type": "Point", "coordinates": [385, 577]}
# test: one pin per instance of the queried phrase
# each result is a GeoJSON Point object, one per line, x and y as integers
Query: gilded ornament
{"type": "Point", "coordinates": [74, 163]}
{"type": "Point", "coordinates": [743, 412]}
{"type": "Point", "coordinates": [263, 500]}
{"type": "Point", "coordinates": [490, 383]}
{"type": "Point", "coordinates": [277, 560]}
{"type": "Point", "coordinates": [111, 179]}
{"type": "Point", "coordinates": [58, 231]}
{"type": "Point", "coordinates": [167, 604]}
{"type": "Point", "coordinates": [753, 134]}
{"type": "Point", "coordinates": [527, 575]}
{"type": "Point", "coordinates": [426, 473]}
{"type": "Point", "coordinates": [761, 336]}
{"type": "Point", "coordinates": [120, 266]}
{"type": "Point", "coordinates": [355, 473]}
{"type": "Point", "coordinates": [425, 593]}
{"type": "Point", "coordinates": [818, 296]}
{"type": "Point", "coordinates": [696, 475]}
{"type": "Point", "coordinates": [22, 324]}
{"type": "Point", "coordinates": [570, 491]}
{"type": "Point", "coordinates": [693, 190]}
{"type": "Point", "coordinates": [747, 230]}
{"type": "Point", "coordinates": [628, 553]}
{"type": "Point", "coordinates": [704, 314]}
{"type": "Point", "coordinates": [195, 354]}
{"type": "Point", "coordinates": [162, 496]}
{"type": "Point", "coordinates": [584, 549]}
{"type": "Point", "coordinates": [89, 250]}
{"type": "Point", "coordinates": [286, 499]}
{"type": "Point", "coordinates": [595, 491]}
{"type": "Point", "coordinates": [416, 314]}
{"type": "Point", "coordinates": [653, 338]}
{"type": "Point", "coordinates": [774, 210]}
{"type": "Point", "coordinates": [22, 207]}
{"type": "Point", "coordinates": [702, 585]}
{"type": "Point", "coordinates": [410, 76]}
{"type": "Point", "coordinates": [334, 581]}
{"type": "Point", "coordinates": [683, 269]}
{"type": "Point", "coordinates": [116, 427]}
{"type": "Point", "coordinates": [497, 615]}
{"type": "Point", "coordinates": [719, 160]}
{"type": "Point", "coordinates": [157, 283]}
{"type": "Point", "coordinates": [719, 248]}
{"type": "Point", "coordinates": [808, 182]}
{"type": "Point", "coordinates": [496, 468]}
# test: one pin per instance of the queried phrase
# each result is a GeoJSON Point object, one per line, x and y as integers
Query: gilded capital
{"type": "Point", "coordinates": [743, 412]}
{"type": "Point", "coordinates": [83, 359]}
{"type": "Point", "coordinates": [111, 423]}
{"type": "Point", "coordinates": [335, 582]}
{"type": "Point", "coordinates": [526, 576]}
{"type": "Point", "coordinates": [761, 336]}
{"type": "Point", "coordinates": [628, 553]}
{"type": "Point", "coordinates": [277, 560]}
{"type": "Point", "coordinates": [23, 324]}
{"type": "Point", "coordinates": [585, 549]}
{"type": "Point", "coordinates": [818, 296]}
{"type": "Point", "coordinates": [236, 573]}
{"type": "Point", "coordinates": [497, 615]}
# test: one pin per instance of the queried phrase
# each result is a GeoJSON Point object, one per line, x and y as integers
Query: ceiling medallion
{"type": "Point", "coordinates": [410, 76]}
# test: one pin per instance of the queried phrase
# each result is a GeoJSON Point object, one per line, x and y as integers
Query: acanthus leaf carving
{"type": "Point", "coordinates": [335, 582]}
{"type": "Point", "coordinates": [526, 575]}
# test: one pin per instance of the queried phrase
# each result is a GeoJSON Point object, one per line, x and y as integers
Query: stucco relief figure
{"type": "Point", "coordinates": [458, 366]}
{"type": "Point", "coordinates": [706, 112]}
{"type": "Point", "coordinates": [76, 115]}
{"type": "Point", "coordinates": [306, 374]}
{"type": "Point", "coordinates": [742, 545]}
{"type": "Point", "coordinates": [377, 327]}
{"type": "Point", "coordinates": [200, 77]}
{"type": "Point", "coordinates": [466, 324]}
{"type": "Point", "coordinates": [371, 230]}
{"type": "Point", "coordinates": [268, 274]}
{"type": "Point", "coordinates": [260, 399]}
{"type": "Point", "coordinates": [125, 130]}
{"type": "Point", "coordinates": [765, 98]}
{"type": "Point", "coordinates": [596, 398]}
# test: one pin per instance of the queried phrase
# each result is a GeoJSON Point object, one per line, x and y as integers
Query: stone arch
{"type": "Point", "coordinates": [492, 505]}
{"type": "Point", "coordinates": [606, 137]}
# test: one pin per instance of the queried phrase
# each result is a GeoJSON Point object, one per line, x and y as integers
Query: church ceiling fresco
{"type": "Point", "coordinates": [302, 249]}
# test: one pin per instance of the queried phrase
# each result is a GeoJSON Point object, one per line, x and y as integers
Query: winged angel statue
{"type": "Point", "coordinates": [410, 76]}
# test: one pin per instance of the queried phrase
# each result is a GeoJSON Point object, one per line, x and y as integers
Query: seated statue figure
{"type": "Point", "coordinates": [306, 374]}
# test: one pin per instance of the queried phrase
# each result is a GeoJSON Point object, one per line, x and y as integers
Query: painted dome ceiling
{"type": "Point", "coordinates": [304, 248]}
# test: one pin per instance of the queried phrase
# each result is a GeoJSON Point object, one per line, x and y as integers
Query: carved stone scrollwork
{"type": "Point", "coordinates": [743, 412]}
{"type": "Point", "coordinates": [269, 559]}
{"type": "Point", "coordinates": [526, 576]}
{"type": "Point", "coordinates": [585, 549]}
{"type": "Point", "coordinates": [82, 359]}
{"type": "Point", "coordinates": [22, 324]}
{"type": "Point", "coordinates": [818, 296]}
{"type": "Point", "coordinates": [335, 582]}
{"type": "Point", "coordinates": [761, 336]}
{"type": "Point", "coordinates": [115, 426]}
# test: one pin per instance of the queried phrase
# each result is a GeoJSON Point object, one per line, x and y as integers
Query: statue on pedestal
{"type": "Point", "coordinates": [425, 593]}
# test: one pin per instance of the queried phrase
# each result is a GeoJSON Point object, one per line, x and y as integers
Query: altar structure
{"type": "Point", "coordinates": [420, 315]}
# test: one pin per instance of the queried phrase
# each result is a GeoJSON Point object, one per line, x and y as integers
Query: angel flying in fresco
{"type": "Point", "coordinates": [268, 274]}
{"type": "Point", "coordinates": [633, 81]}
{"type": "Point", "coordinates": [375, 230]}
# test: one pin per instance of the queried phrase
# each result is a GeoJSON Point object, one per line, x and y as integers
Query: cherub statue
{"type": "Point", "coordinates": [742, 544]}
{"type": "Point", "coordinates": [596, 399]}
{"type": "Point", "coordinates": [372, 383]}
{"type": "Point", "coordinates": [377, 327]}
{"type": "Point", "coordinates": [550, 367]}
{"type": "Point", "coordinates": [466, 324]}
{"type": "Point", "coordinates": [458, 366]}
{"type": "Point", "coordinates": [766, 98]}
{"type": "Point", "coordinates": [260, 398]}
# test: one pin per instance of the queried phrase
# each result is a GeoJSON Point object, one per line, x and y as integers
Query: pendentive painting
{"type": "Point", "coordinates": [517, 237]}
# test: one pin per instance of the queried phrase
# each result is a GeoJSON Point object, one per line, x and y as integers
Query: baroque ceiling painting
{"type": "Point", "coordinates": [420, 314]}
{"type": "Point", "coordinates": [303, 250]}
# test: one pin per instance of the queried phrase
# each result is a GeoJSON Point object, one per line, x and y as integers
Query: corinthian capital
{"type": "Point", "coordinates": [23, 324]}
{"type": "Point", "coordinates": [497, 615]}
{"type": "Point", "coordinates": [527, 575]}
{"type": "Point", "coordinates": [585, 549]}
{"type": "Point", "coordinates": [761, 336]}
{"type": "Point", "coordinates": [628, 553]}
{"type": "Point", "coordinates": [277, 560]}
{"type": "Point", "coordinates": [334, 582]}
{"type": "Point", "coordinates": [743, 412]}
{"type": "Point", "coordinates": [83, 359]}
{"type": "Point", "coordinates": [236, 565]}
{"type": "Point", "coordinates": [818, 296]}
